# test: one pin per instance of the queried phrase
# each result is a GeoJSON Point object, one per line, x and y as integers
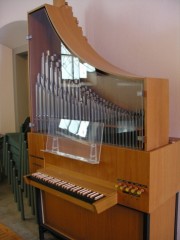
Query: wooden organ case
{"type": "Point", "coordinates": [99, 152]}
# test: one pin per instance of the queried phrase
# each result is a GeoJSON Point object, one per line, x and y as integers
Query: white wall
{"type": "Point", "coordinates": [141, 37]}
{"type": "Point", "coordinates": [7, 114]}
{"type": "Point", "coordinates": [11, 11]}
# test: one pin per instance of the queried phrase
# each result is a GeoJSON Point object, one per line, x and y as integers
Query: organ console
{"type": "Point", "coordinates": [100, 156]}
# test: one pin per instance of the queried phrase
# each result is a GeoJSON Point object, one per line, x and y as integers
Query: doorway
{"type": "Point", "coordinates": [21, 85]}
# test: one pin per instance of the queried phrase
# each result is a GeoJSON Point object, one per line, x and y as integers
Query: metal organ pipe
{"type": "Point", "coordinates": [69, 99]}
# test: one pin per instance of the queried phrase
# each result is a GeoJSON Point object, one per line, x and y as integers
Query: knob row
{"type": "Point", "coordinates": [130, 188]}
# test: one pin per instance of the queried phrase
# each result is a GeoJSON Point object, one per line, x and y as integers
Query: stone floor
{"type": "Point", "coordinates": [10, 216]}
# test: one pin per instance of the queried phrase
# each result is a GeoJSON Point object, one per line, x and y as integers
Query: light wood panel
{"type": "Point", "coordinates": [36, 144]}
{"type": "Point", "coordinates": [58, 3]}
{"type": "Point", "coordinates": [156, 107]}
{"type": "Point", "coordinates": [77, 223]}
{"type": "Point", "coordinates": [162, 221]}
{"type": "Point", "coordinates": [164, 174]}
{"type": "Point", "coordinates": [133, 166]}
{"type": "Point", "coordinates": [105, 170]}
{"type": "Point", "coordinates": [157, 170]}
{"type": "Point", "coordinates": [35, 164]}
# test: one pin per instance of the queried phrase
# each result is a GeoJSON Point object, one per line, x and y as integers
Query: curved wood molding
{"type": "Point", "coordinates": [68, 30]}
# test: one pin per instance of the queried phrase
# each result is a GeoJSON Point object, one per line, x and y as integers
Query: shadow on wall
{"type": "Point", "coordinates": [13, 34]}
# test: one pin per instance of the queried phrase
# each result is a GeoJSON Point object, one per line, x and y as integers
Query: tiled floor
{"type": "Point", "coordinates": [10, 216]}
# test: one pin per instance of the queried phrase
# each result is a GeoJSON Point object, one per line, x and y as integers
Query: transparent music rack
{"type": "Point", "coordinates": [79, 140]}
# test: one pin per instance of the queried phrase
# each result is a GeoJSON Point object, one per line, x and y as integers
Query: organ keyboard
{"type": "Point", "coordinates": [85, 194]}
{"type": "Point", "coordinates": [80, 190]}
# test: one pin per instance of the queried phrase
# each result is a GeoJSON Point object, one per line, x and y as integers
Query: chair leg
{"type": "Point", "coordinates": [18, 197]}
{"type": "Point", "coordinates": [35, 205]}
{"type": "Point", "coordinates": [21, 200]}
{"type": "Point", "coordinates": [14, 184]}
{"type": "Point", "coordinates": [29, 195]}
{"type": "Point", "coordinates": [32, 201]}
{"type": "Point", "coordinates": [11, 164]}
{"type": "Point", "coordinates": [25, 167]}
{"type": "Point", "coordinates": [5, 157]}
{"type": "Point", "coordinates": [8, 167]}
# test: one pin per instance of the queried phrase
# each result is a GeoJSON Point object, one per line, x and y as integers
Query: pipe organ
{"type": "Point", "coordinates": [100, 157]}
{"type": "Point", "coordinates": [62, 91]}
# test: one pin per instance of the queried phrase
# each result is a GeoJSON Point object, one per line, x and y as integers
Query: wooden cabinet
{"type": "Point", "coordinates": [156, 172]}
{"type": "Point", "coordinates": [75, 222]}
{"type": "Point", "coordinates": [36, 146]}
{"type": "Point", "coordinates": [35, 163]}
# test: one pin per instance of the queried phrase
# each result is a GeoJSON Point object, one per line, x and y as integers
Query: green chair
{"type": "Point", "coordinates": [15, 160]}
{"type": "Point", "coordinates": [1, 158]}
